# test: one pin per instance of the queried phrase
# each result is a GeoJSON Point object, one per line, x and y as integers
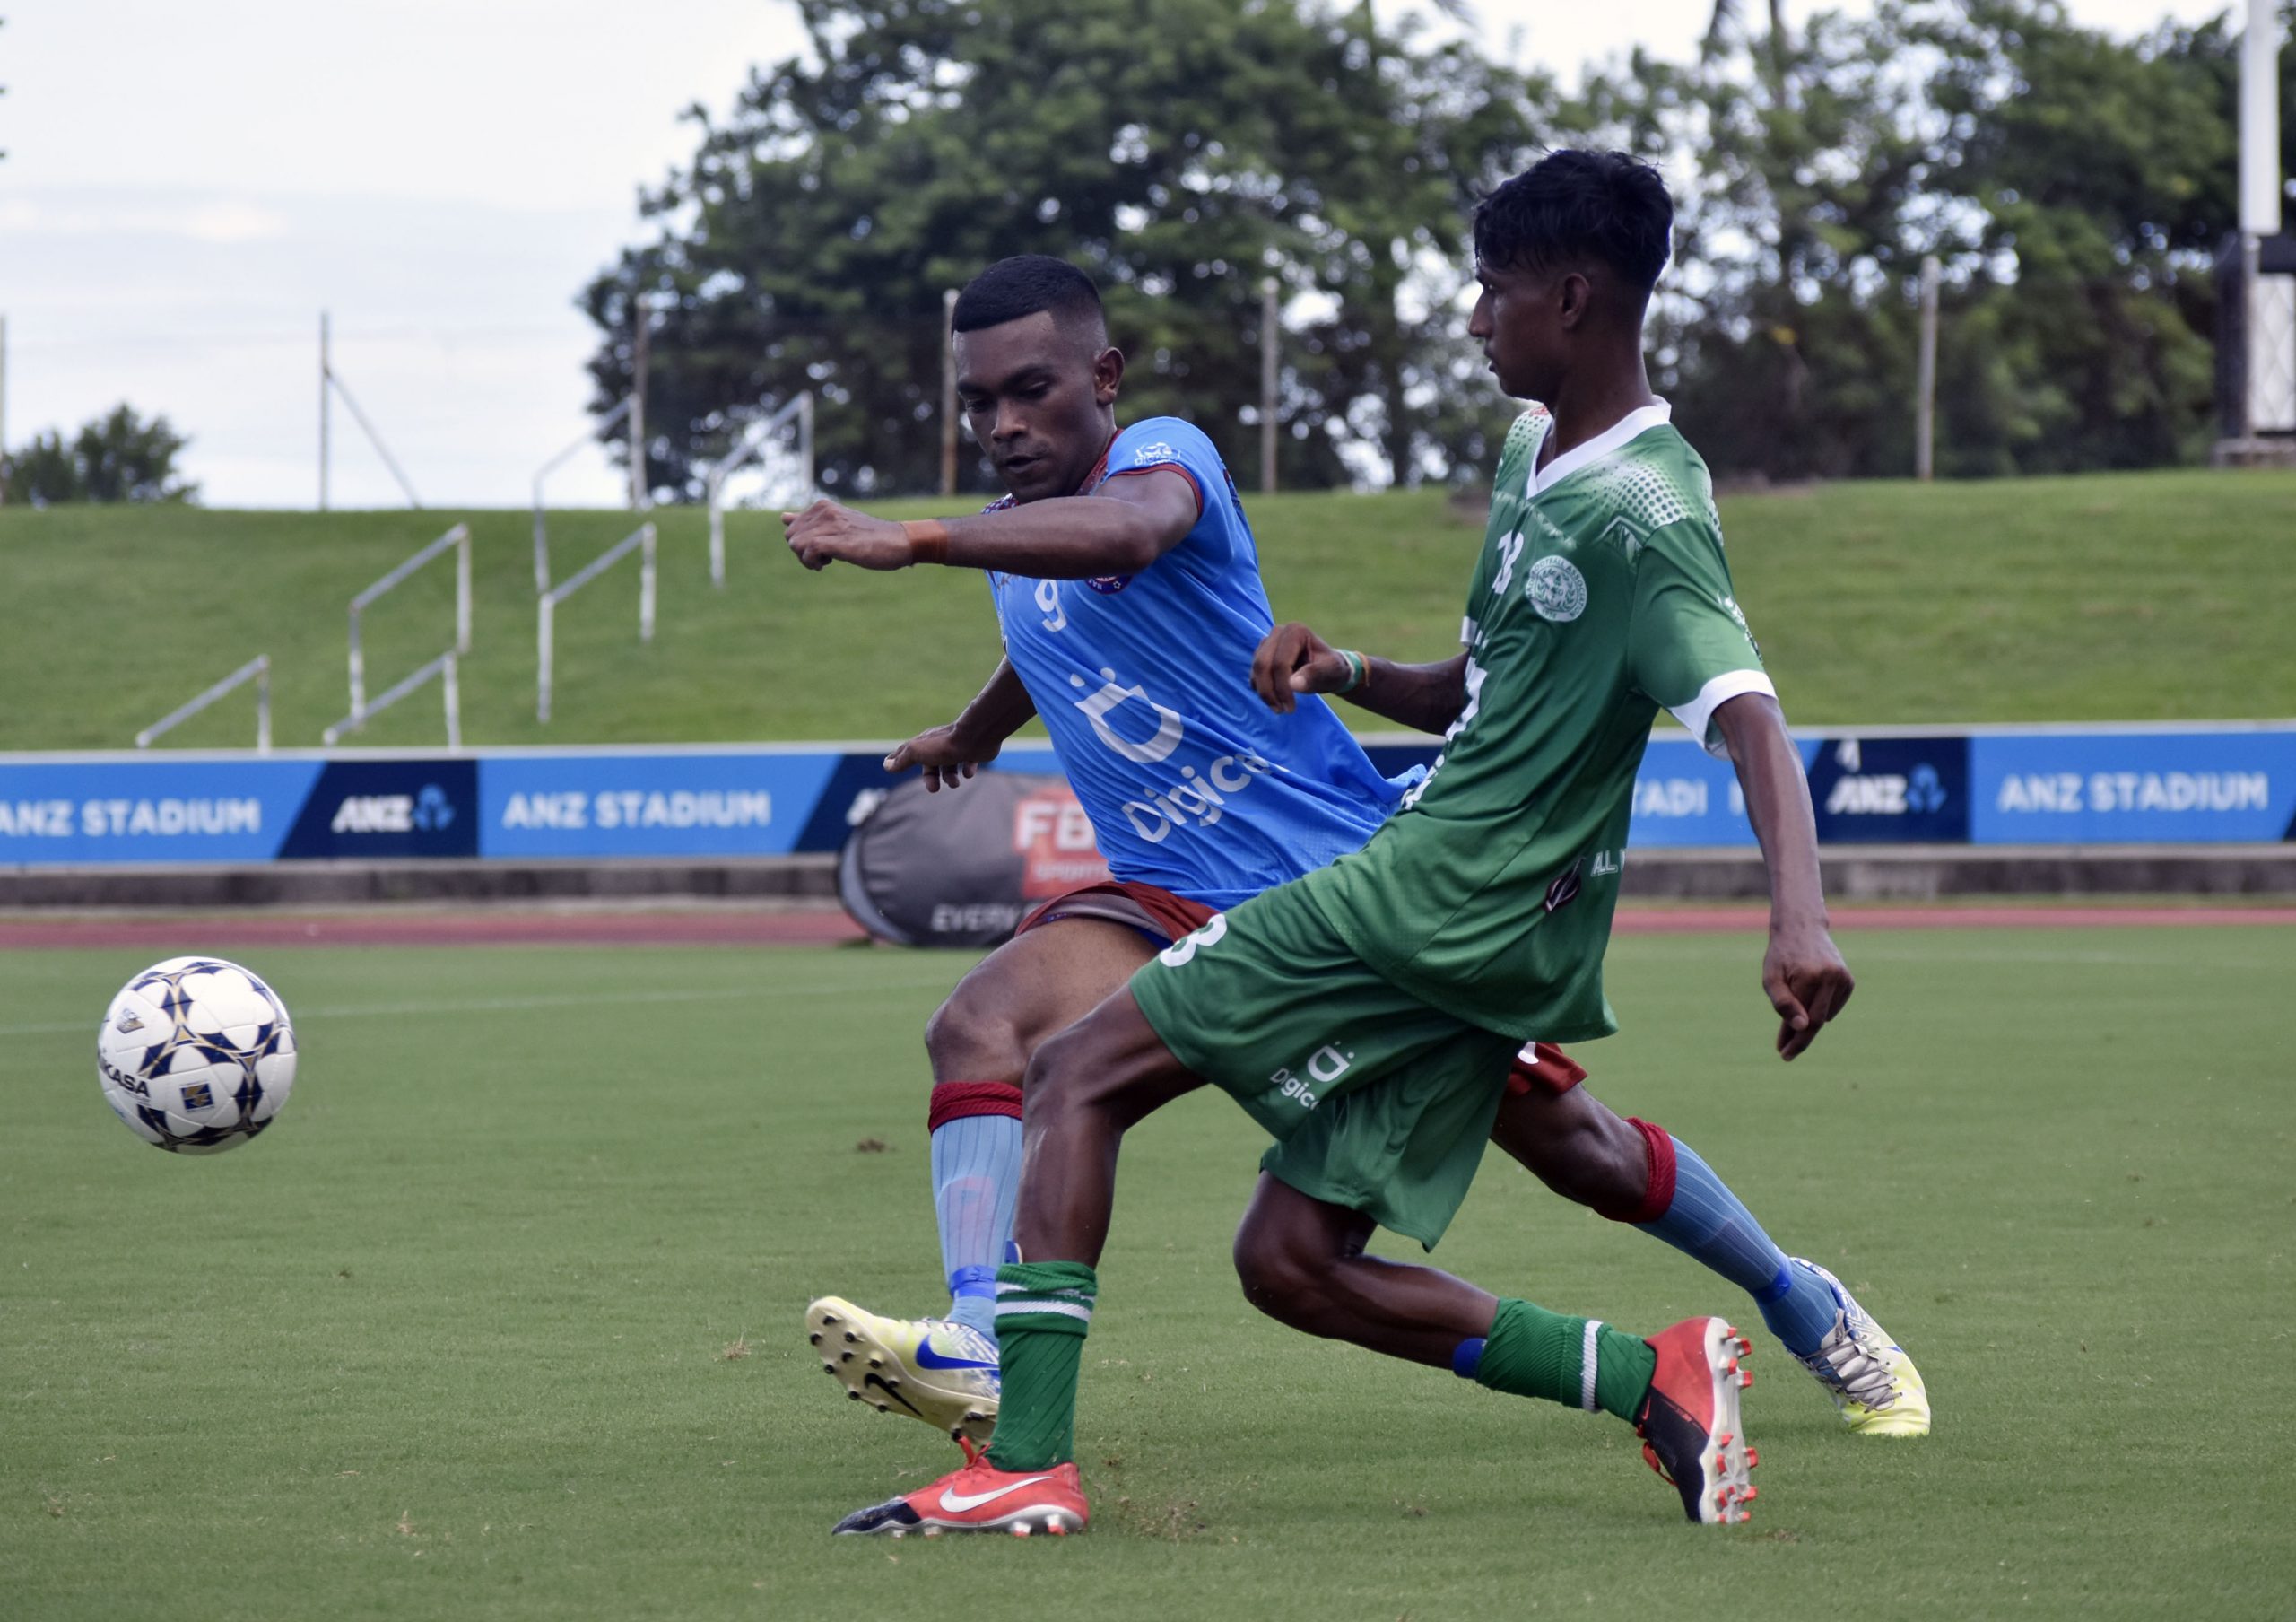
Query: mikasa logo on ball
{"type": "Point", "coordinates": [1556, 589]}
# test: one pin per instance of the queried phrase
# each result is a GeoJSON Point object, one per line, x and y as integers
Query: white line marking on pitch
{"type": "Point", "coordinates": [516, 1004]}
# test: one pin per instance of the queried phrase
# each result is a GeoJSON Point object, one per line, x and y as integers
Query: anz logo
{"type": "Point", "coordinates": [427, 811]}
{"type": "Point", "coordinates": [1916, 792]}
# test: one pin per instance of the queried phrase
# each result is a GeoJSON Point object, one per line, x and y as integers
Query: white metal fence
{"type": "Point", "coordinates": [443, 666]}
{"type": "Point", "coordinates": [755, 444]}
{"type": "Point", "coordinates": [459, 537]}
{"type": "Point", "coordinates": [256, 670]}
{"type": "Point", "coordinates": [629, 409]}
{"type": "Point", "coordinates": [546, 607]}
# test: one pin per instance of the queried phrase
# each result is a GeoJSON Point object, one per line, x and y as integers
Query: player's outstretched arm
{"type": "Point", "coordinates": [1120, 529]}
{"type": "Point", "coordinates": [1293, 659]}
{"type": "Point", "coordinates": [1803, 973]}
{"type": "Point", "coordinates": [951, 753]}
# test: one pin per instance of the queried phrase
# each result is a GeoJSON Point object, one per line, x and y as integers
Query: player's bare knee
{"type": "Point", "coordinates": [1278, 1279]}
{"type": "Point", "coordinates": [969, 1039]}
{"type": "Point", "coordinates": [1066, 1074]}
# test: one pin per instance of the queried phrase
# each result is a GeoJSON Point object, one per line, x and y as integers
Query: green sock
{"type": "Point", "coordinates": [1532, 1352]}
{"type": "Point", "coordinates": [1043, 1309]}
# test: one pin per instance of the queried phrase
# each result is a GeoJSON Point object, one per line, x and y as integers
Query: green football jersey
{"type": "Point", "coordinates": [1601, 595]}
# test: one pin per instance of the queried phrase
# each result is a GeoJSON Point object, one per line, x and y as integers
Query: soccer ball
{"type": "Point", "coordinates": [195, 1055]}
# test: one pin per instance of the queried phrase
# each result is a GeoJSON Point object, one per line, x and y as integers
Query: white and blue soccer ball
{"type": "Point", "coordinates": [196, 1055]}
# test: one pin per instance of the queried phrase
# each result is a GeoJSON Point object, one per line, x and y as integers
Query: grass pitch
{"type": "Point", "coordinates": [501, 1320]}
{"type": "Point", "coordinates": [2039, 600]}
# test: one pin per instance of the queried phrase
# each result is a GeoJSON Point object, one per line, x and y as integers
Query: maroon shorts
{"type": "Point", "coordinates": [1157, 913]}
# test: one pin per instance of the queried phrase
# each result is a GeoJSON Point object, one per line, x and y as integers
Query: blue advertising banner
{"type": "Point", "coordinates": [368, 808]}
{"type": "Point", "coordinates": [2142, 788]}
{"type": "Point", "coordinates": [663, 804]}
{"type": "Point", "coordinates": [68, 811]}
{"type": "Point", "coordinates": [2092, 786]}
{"type": "Point", "coordinates": [1892, 790]}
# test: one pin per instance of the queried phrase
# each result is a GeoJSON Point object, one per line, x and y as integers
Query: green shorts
{"type": "Point", "coordinates": [1378, 1102]}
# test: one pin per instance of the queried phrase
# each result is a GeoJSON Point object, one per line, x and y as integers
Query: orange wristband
{"type": "Point", "coordinates": [928, 540]}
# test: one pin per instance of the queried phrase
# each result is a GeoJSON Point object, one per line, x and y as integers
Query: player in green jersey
{"type": "Point", "coordinates": [1362, 1014]}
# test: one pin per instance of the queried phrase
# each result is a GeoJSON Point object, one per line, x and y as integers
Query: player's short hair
{"type": "Point", "coordinates": [1572, 206]}
{"type": "Point", "coordinates": [1022, 286]}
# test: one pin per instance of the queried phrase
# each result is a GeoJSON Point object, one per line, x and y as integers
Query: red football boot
{"type": "Point", "coordinates": [982, 1498]}
{"type": "Point", "coordinates": [1689, 1424]}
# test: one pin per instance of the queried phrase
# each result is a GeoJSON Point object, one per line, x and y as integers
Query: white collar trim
{"type": "Point", "coordinates": [1610, 441]}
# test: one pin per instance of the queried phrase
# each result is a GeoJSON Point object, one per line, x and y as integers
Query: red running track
{"type": "Point", "coordinates": [495, 926]}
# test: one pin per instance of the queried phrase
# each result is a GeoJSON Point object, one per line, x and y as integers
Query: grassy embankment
{"type": "Point", "coordinates": [2113, 598]}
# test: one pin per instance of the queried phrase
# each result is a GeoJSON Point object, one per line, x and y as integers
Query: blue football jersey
{"type": "Point", "coordinates": [1144, 682]}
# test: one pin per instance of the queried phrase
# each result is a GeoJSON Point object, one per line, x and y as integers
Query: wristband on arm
{"type": "Point", "coordinates": [1357, 670]}
{"type": "Point", "coordinates": [928, 540]}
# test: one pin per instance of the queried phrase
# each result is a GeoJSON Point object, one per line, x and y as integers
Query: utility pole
{"type": "Point", "coordinates": [2271, 292]}
{"type": "Point", "coordinates": [641, 327]}
{"type": "Point", "coordinates": [326, 376]}
{"type": "Point", "coordinates": [1270, 318]}
{"type": "Point", "coordinates": [1925, 405]}
{"type": "Point", "coordinates": [948, 391]}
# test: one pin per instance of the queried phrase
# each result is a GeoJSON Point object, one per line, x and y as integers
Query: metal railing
{"type": "Point", "coordinates": [542, 526]}
{"type": "Point", "coordinates": [256, 670]}
{"type": "Point", "coordinates": [747, 448]}
{"type": "Point", "coordinates": [457, 537]}
{"type": "Point", "coordinates": [442, 667]}
{"type": "Point", "coordinates": [546, 607]}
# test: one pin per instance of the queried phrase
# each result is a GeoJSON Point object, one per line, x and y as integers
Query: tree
{"type": "Point", "coordinates": [2073, 185]}
{"type": "Point", "coordinates": [1179, 150]}
{"type": "Point", "coordinates": [115, 457]}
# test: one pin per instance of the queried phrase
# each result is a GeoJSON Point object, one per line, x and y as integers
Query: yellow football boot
{"type": "Point", "coordinates": [1873, 1382]}
{"type": "Point", "coordinates": [932, 1369]}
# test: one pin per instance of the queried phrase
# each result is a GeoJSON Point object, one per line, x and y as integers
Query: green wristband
{"type": "Point", "coordinates": [1357, 670]}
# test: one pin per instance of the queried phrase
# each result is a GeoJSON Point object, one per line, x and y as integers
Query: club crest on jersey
{"type": "Point", "coordinates": [1565, 888]}
{"type": "Point", "coordinates": [1170, 727]}
{"type": "Point", "coordinates": [1556, 590]}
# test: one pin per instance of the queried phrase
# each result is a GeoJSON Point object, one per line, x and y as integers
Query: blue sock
{"type": "Point", "coordinates": [1709, 1224]}
{"type": "Point", "coordinates": [976, 1183]}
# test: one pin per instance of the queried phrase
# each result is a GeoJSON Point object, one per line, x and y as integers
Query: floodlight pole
{"type": "Point", "coordinates": [2260, 121]}
{"type": "Point", "coordinates": [1924, 409]}
{"type": "Point", "coordinates": [948, 392]}
{"type": "Point", "coordinates": [641, 328]}
{"type": "Point", "coordinates": [1270, 314]}
{"type": "Point", "coordinates": [2272, 299]}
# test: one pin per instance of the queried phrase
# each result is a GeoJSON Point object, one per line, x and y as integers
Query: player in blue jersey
{"type": "Point", "coordinates": [1127, 587]}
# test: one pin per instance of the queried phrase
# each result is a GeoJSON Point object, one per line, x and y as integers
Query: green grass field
{"type": "Point", "coordinates": [500, 1321]}
{"type": "Point", "coordinates": [2159, 596]}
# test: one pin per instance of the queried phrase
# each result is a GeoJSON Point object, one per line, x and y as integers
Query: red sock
{"type": "Point", "coordinates": [955, 1100]}
{"type": "Point", "coordinates": [1658, 1196]}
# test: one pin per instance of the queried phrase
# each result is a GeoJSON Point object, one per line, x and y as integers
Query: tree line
{"type": "Point", "coordinates": [2074, 186]}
